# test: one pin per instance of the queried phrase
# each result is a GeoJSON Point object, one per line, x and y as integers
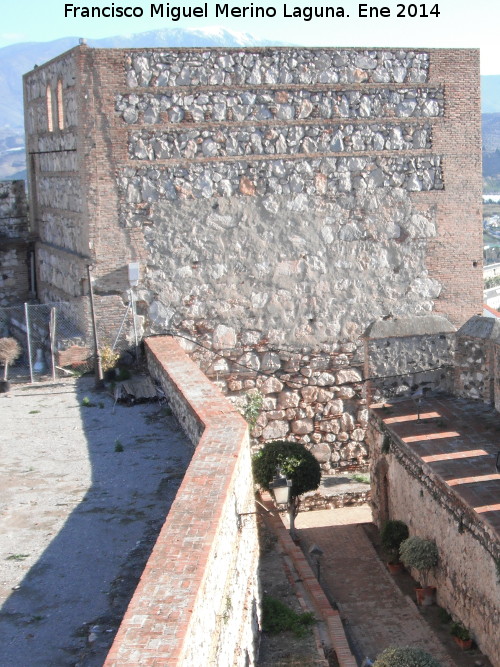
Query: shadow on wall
{"type": "Point", "coordinates": [103, 480]}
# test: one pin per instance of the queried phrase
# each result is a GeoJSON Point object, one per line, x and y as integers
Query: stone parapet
{"type": "Point", "coordinates": [197, 602]}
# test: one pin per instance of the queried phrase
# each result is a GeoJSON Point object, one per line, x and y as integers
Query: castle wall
{"type": "Point", "coordinates": [55, 110]}
{"type": "Point", "coordinates": [278, 201]}
{"type": "Point", "coordinates": [406, 488]}
{"type": "Point", "coordinates": [14, 246]}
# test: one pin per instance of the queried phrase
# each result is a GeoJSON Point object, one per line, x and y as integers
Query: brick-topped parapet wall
{"type": "Point", "coordinates": [322, 607]}
{"type": "Point", "coordinates": [197, 601]}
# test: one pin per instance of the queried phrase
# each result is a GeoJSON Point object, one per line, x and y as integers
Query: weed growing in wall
{"type": "Point", "coordinates": [253, 407]}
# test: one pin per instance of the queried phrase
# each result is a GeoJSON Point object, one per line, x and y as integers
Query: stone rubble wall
{"type": "Point", "coordinates": [473, 368]}
{"type": "Point", "coordinates": [477, 373]}
{"type": "Point", "coordinates": [59, 272]}
{"type": "Point", "coordinates": [403, 366]}
{"type": "Point", "coordinates": [56, 184]}
{"type": "Point", "coordinates": [287, 197]}
{"type": "Point", "coordinates": [13, 210]}
{"type": "Point", "coordinates": [60, 193]}
{"type": "Point", "coordinates": [213, 67]}
{"type": "Point", "coordinates": [315, 398]}
{"type": "Point", "coordinates": [14, 245]}
{"type": "Point", "coordinates": [329, 177]}
{"type": "Point", "coordinates": [224, 141]}
{"type": "Point", "coordinates": [284, 105]}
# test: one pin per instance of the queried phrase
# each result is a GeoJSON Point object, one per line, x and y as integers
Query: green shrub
{"type": "Point", "coordinates": [419, 553]}
{"type": "Point", "coordinates": [296, 462]}
{"type": "Point", "coordinates": [443, 615]}
{"type": "Point", "coordinates": [405, 656]}
{"type": "Point", "coordinates": [460, 631]}
{"type": "Point", "coordinates": [392, 534]}
{"type": "Point", "coordinates": [253, 407]}
{"type": "Point", "coordinates": [277, 617]}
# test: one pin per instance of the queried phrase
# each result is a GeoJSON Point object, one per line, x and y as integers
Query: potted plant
{"type": "Point", "coordinates": [422, 555]}
{"type": "Point", "coordinates": [405, 656]}
{"type": "Point", "coordinates": [392, 534]}
{"type": "Point", "coordinates": [461, 636]}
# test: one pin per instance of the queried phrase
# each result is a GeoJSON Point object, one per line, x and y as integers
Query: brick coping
{"type": "Point", "coordinates": [322, 606]}
{"type": "Point", "coordinates": [156, 623]}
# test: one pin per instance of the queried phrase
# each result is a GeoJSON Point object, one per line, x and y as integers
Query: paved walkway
{"type": "Point", "coordinates": [375, 612]}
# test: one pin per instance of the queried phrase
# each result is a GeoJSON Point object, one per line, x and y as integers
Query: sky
{"type": "Point", "coordinates": [460, 23]}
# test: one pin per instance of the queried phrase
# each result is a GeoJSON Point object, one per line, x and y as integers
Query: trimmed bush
{"type": "Point", "coordinates": [420, 554]}
{"type": "Point", "coordinates": [392, 534]}
{"type": "Point", "coordinates": [405, 656]}
{"type": "Point", "coordinates": [296, 462]}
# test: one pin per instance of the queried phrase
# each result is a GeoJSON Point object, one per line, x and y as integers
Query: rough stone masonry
{"type": "Point", "coordinates": [278, 201]}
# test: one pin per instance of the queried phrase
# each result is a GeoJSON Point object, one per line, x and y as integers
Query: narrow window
{"type": "Point", "coordinates": [48, 96]}
{"type": "Point", "coordinates": [60, 107]}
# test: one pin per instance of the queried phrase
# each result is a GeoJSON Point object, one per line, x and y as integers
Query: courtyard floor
{"type": "Point", "coordinates": [85, 487]}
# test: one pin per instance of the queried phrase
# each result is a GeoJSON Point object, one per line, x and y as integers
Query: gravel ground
{"type": "Point", "coordinates": [78, 517]}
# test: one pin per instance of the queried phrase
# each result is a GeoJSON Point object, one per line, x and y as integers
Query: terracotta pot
{"type": "Point", "coordinates": [426, 596]}
{"type": "Point", "coordinates": [465, 644]}
{"type": "Point", "coordinates": [395, 568]}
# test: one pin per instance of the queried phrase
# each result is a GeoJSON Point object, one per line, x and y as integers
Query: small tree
{"type": "Point", "coordinates": [297, 464]}
{"type": "Point", "coordinates": [405, 656]}
{"type": "Point", "coordinates": [9, 352]}
{"type": "Point", "coordinates": [420, 554]}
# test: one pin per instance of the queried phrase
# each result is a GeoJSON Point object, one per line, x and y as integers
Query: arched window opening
{"type": "Point", "coordinates": [60, 107]}
{"type": "Point", "coordinates": [48, 98]}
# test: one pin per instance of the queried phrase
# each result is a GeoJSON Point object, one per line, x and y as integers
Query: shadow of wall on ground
{"type": "Point", "coordinates": [66, 609]}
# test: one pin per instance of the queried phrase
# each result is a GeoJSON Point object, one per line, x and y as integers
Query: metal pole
{"type": "Point", "coordinates": [98, 366]}
{"type": "Point", "coordinates": [27, 319]}
{"type": "Point", "coordinates": [52, 327]}
{"type": "Point", "coordinates": [135, 326]}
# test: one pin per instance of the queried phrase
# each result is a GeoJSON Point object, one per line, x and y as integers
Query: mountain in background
{"type": "Point", "coordinates": [17, 59]}
{"type": "Point", "coordinates": [490, 93]}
